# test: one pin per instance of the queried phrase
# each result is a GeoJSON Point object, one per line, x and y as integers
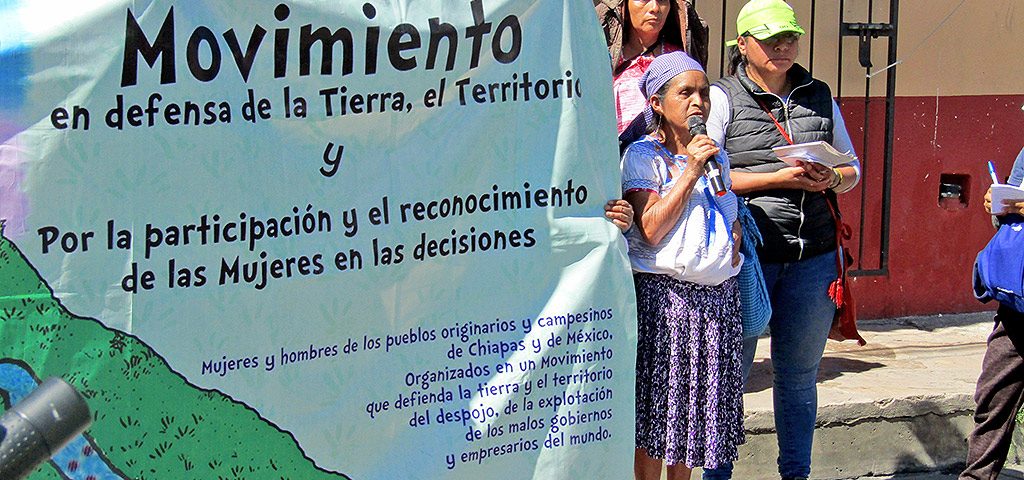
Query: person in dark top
{"type": "Point", "coordinates": [768, 100]}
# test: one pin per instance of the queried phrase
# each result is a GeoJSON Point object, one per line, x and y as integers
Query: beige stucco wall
{"type": "Point", "coordinates": [978, 50]}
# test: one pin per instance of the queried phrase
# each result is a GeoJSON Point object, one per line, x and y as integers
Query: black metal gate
{"type": "Point", "coordinates": [864, 33]}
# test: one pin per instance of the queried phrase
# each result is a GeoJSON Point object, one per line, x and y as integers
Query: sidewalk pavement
{"type": "Point", "coordinates": [902, 403]}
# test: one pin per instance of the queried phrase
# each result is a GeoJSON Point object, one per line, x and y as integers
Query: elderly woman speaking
{"type": "Point", "coordinates": [684, 254]}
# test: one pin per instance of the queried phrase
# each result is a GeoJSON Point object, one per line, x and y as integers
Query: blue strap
{"type": "Point", "coordinates": [713, 207]}
{"type": "Point", "coordinates": [712, 210]}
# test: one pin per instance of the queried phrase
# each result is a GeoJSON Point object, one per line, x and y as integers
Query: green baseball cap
{"type": "Point", "coordinates": [763, 19]}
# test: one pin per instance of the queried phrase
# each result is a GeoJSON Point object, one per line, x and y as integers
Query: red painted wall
{"type": "Point", "coordinates": [932, 247]}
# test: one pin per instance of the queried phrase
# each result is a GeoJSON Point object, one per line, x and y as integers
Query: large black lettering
{"type": "Point", "coordinates": [396, 45]}
{"type": "Point", "coordinates": [477, 31]}
{"type": "Point", "coordinates": [308, 37]}
{"type": "Point", "coordinates": [281, 13]}
{"type": "Point", "coordinates": [136, 43]}
{"type": "Point", "coordinates": [440, 31]}
{"type": "Point", "coordinates": [372, 40]}
{"type": "Point", "coordinates": [245, 60]}
{"type": "Point", "coordinates": [511, 23]}
{"type": "Point", "coordinates": [203, 34]}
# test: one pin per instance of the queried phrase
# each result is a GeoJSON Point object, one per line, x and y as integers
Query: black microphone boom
{"type": "Point", "coordinates": [712, 167]}
{"type": "Point", "coordinates": [39, 426]}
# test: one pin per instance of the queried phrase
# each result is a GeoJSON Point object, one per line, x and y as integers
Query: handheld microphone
{"type": "Point", "coordinates": [712, 167]}
{"type": "Point", "coordinates": [39, 426]}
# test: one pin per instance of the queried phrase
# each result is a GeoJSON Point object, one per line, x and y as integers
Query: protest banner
{"type": "Point", "coordinates": [306, 239]}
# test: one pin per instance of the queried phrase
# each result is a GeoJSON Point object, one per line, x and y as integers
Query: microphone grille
{"type": "Point", "coordinates": [696, 125]}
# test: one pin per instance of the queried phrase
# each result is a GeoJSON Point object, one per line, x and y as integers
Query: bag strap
{"type": "Point", "coordinates": [843, 233]}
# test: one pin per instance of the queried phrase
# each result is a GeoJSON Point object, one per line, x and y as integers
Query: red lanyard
{"type": "Point", "coordinates": [777, 125]}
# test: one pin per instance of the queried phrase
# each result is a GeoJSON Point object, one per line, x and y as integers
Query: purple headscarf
{"type": "Point", "coordinates": [663, 68]}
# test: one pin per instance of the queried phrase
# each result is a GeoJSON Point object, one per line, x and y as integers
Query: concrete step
{"type": "Point", "coordinates": [1012, 472]}
{"type": "Point", "coordinates": [903, 403]}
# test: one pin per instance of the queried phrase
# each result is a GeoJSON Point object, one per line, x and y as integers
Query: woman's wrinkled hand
{"type": "Point", "coordinates": [698, 151]}
{"type": "Point", "coordinates": [620, 212]}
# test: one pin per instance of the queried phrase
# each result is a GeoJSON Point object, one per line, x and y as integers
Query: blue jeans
{"type": "Point", "coordinates": [801, 318]}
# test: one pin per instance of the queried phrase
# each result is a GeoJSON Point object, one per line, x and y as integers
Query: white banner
{"type": "Point", "coordinates": [313, 239]}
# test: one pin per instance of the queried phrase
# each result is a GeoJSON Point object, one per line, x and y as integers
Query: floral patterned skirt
{"type": "Point", "coordinates": [689, 383]}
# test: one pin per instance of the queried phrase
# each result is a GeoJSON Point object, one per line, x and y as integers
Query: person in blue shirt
{"type": "Point", "coordinates": [1000, 388]}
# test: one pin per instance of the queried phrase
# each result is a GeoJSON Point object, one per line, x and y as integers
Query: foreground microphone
{"type": "Point", "coordinates": [39, 426]}
{"type": "Point", "coordinates": [712, 168]}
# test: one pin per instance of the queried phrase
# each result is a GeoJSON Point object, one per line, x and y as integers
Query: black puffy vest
{"type": "Point", "coordinates": [795, 224]}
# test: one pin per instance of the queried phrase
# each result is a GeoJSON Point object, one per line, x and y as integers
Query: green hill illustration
{"type": "Point", "coordinates": [149, 421]}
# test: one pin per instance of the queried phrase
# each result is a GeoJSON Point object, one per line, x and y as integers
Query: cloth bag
{"type": "Point", "coordinates": [999, 267]}
{"type": "Point", "coordinates": [844, 323]}
{"type": "Point", "coordinates": [755, 303]}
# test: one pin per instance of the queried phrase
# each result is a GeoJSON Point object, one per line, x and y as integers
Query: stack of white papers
{"type": "Point", "coordinates": [1002, 191]}
{"type": "Point", "coordinates": [817, 152]}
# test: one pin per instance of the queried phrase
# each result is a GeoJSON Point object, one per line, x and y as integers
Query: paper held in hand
{"type": "Point", "coordinates": [817, 152]}
{"type": "Point", "coordinates": [1002, 191]}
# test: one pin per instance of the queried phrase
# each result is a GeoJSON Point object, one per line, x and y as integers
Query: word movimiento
{"type": "Point", "coordinates": [204, 51]}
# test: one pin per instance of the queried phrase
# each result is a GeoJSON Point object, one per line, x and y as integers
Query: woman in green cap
{"type": "Point", "coordinates": [768, 100]}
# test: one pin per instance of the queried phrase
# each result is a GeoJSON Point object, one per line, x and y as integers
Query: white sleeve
{"type": "Point", "coordinates": [718, 122]}
{"type": "Point", "coordinates": [718, 117]}
{"type": "Point", "coordinates": [841, 141]}
{"type": "Point", "coordinates": [640, 170]}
